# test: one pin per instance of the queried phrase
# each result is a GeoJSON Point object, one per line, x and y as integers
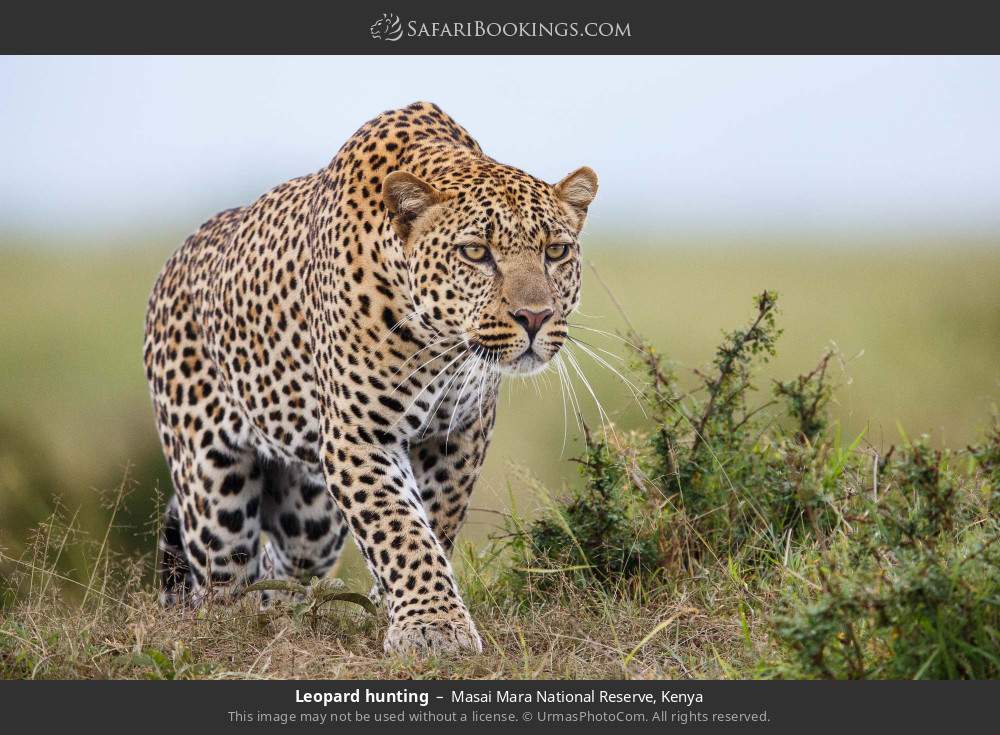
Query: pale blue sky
{"type": "Point", "coordinates": [833, 145]}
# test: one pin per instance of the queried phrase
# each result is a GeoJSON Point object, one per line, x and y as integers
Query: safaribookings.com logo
{"type": "Point", "coordinates": [387, 28]}
{"type": "Point", "coordinates": [390, 28]}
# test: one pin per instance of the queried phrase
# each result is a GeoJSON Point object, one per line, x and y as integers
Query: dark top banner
{"type": "Point", "coordinates": [398, 27]}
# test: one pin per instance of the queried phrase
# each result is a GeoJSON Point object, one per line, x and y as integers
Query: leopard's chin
{"type": "Point", "coordinates": [528, 364]}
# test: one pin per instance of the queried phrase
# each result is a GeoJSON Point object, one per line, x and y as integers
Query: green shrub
{"type": "Point", "coordinates": [864, 565]}
{"type": "Point", "coordinates": [911, 588]}
{"type": "Point", "coordinates": [594, 536]}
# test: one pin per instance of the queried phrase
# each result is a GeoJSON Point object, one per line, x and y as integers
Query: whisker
{"type": "Point", "coordinates": [482, 391]}
{"type": "Point", "coordinates": [571, 393]}
{"type": "Point", "coordinates": [435, 357]}
{"type": "Point", "coordinates": [436, 405]}
{"type": "Point", "coordinates": [534, 384]}
{"type": "Point", "coordinates": [412, 315]}
{"type": "Point", "coordinates": [587, 316]}
{"type": "Point", "coordinates": [487, 376]}
{"type": "Point", "coordinates": [606, 334]}
{"type": "Point", "coordinates": [633, 389]}
{"type": "Point", "coordinates": [475, 366]}
{"type": "Point", "coordinates": [605, 419]}
{"type": "Point", "coordinates": [428, 384]}
{"type": "Point", "coordinates": [544, 377]}
{"type": "Point", "coordinates": [397, 370]}
{"type": "Point", "coordinates": [562, 395]}
{"type": "Point", "coordinates": [592, 346]}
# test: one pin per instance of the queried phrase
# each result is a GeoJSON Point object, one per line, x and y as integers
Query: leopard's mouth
{"type": "Point", "coordinates": [529, 363]}
{"type": "Point", "coordinates": [526, 364]}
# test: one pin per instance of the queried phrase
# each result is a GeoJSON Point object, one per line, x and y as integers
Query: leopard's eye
{"type": "Point", "coordinates": [474, 253]}
{"type": "Point", "coordinates": [556, 251]}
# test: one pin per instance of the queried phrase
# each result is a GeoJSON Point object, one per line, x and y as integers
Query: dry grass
{"type": "Point", "coordinates": [572, 638]}
{"type": "Point", "coordinates": [46, 632]}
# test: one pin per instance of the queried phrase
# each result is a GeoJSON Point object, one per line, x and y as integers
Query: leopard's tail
{"type": "Point", "coordinates": [172, 564]}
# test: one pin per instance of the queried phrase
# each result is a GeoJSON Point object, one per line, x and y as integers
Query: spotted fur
{"type": "Point", "coordinates": [326, 360]}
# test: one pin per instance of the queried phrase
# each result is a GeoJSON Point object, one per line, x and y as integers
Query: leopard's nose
{"type": "Point", "coordinates": [532, 321]}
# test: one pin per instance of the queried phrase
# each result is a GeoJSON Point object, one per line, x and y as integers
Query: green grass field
{"type": "Point", "coordinates": [76, 599]}
{"type": "Point", "coordinates": [921, 324]}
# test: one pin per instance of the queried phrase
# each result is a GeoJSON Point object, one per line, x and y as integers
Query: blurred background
{"type": "Point", "coordinates": [865, 190]}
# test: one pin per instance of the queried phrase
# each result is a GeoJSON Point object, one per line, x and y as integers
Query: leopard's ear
{"type": "Point", "coordinates": [578, 190]}
{"type": "Point", "coordinates": [406, 197]}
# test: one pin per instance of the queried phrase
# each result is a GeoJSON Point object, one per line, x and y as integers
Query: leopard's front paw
{"type": "Point", "coordinates": [431, 636]}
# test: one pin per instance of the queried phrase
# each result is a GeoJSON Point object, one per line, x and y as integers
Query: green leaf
{"type": "Point", "coordinates": [279, 585]}
{"type": "Point", "coordinates": [354, 597]}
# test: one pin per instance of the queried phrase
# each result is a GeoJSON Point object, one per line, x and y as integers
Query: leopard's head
{"type": "Point", "coordinates": [493, 256]}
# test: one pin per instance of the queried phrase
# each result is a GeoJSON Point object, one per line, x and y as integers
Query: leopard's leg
{"type": "Point", "coordinates": [219, 492]}
{"type": "Point", "coordinates": [172, 568]}
{"type": "Point", "coordinates": [217, 478]}
{"type": "Point", "coordinates": [376, 490]}
{"type": "Point", "coordinates": [306, 530]}
{"type": "Point", "coordinates": [446, 469]}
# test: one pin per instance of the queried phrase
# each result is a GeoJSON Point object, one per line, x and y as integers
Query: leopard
{"type": "Point", "coordinates": [326, 361]}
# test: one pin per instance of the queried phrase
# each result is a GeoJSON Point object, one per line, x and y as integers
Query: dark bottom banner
{"type": "Point", "coordinates": [255, 706]}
